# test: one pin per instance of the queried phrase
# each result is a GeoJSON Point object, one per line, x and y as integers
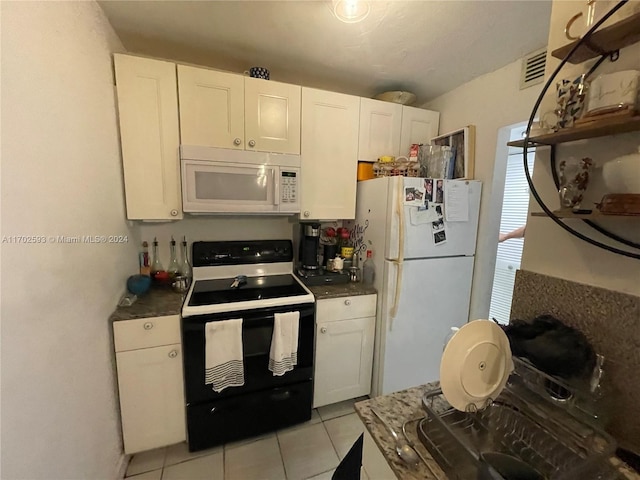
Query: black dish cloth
{"type": "Point", "coordinates": [552, 347]}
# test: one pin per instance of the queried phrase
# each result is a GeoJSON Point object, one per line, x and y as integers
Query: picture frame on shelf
{"type": "Point", "coordinates": [463, 141]}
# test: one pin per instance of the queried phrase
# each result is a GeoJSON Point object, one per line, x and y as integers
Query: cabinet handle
{"type": "Point", "coordinates": [323, 330]}
{"type": "Point", "coordinates": [307, 213]}
{"type": "Point", "coordinates": [252, 143]}
{"type": "Point", "coordinates": [173, 354]}
{"type": "Point", "coordinates": [347, 302]}
{"type": "Point", "coordinates": [174, 213]}
{"type": "Point", "coordinates": [237, 141]}
{"type": "Point", "coordinates": [148, 326]}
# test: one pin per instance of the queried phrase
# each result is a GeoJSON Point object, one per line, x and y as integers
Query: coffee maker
{"type": "Point", "coordinates": [309, 269]}
{"type": "Point", "coordinates": [309, 242]}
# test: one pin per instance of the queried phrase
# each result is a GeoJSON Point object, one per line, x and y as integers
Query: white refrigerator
{"type": "Point", "coordinates": [423, 282]}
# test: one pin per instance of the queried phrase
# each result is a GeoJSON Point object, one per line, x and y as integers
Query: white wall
{"type": "Point", "coordinates": [61, 175]}
{"type": "Point", "coordinates": [489, 102]}
{"type": "Point", "coordinates": [550, 250]}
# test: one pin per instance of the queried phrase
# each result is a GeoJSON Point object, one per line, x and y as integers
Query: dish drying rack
{"type": "Point", "coordinates": [555, 438]}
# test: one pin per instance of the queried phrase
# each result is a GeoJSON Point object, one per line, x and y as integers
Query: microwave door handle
{"type": "Point", "coordinates": [276, 185]}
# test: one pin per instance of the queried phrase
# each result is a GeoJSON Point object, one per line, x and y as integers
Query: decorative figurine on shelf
{"type": "Point", "coordinates": [574, 179]}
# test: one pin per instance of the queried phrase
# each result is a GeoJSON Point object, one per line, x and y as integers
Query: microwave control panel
{"type": "Point", "coordinates": [289, 193]}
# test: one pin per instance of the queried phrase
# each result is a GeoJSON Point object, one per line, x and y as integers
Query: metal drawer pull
{"type": "Point", "coordinates": [347, 302]}
{"type": "Point", "coordinates": [323, 330]}
{"type": "Point", "coordinates": [173, 354]}
{"type": "Point", "coordinates": [148, 326]}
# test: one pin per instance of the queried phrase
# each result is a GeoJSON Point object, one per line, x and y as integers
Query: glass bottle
{"type": "Point", "coordinates": [185, 267]}
{"type": "Point", "coordinates": [156, 266]}
{"type": "Point", "coordinates": [368, 269]}
{"type": "Point", "coordinates": [174, 268]}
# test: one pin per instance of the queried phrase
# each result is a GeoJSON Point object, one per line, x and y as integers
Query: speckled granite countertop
{"type": "Point", "coordinates": [406, 406]}
{"type": "Point", "coordinates": [344, 290]}
{"type": "Point", "coordinates": [158, 302]}
{"type": "Point", "coordinates": [396, 409]}
{"type": "Point", "coordinates": [164, 301]}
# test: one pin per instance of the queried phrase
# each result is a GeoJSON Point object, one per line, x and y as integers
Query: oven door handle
{"type": "Point", "coordinates": [197, 322]}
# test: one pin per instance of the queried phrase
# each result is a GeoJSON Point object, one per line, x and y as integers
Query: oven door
{"type": "Point", "coordinates": [257, 330]}
{"type": "Point", "coordinates": [216, 187]}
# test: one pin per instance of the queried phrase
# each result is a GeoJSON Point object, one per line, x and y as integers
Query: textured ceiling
{"type": "Point", "coordinates": [425, 47]}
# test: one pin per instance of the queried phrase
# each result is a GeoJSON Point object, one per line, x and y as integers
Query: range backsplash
{"type": "Point", "coordinates": [611, 322]}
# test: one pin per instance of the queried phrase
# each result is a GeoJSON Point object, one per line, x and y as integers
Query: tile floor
{"type": "Point", "coordinates": [309, 451]}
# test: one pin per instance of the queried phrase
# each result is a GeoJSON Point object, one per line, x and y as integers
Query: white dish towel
{"type": "Point", "coordinates": [223, 354]}
{"type": "Point", "coordinates": [284, 343]}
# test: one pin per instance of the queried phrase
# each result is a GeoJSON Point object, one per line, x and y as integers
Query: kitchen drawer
{"type": "Point", "coordinates": [146, 332]}
{"type": "Point", "coordinates": [344, 308]}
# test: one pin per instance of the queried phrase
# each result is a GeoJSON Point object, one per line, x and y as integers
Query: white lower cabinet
{"type": "Point", "coordinates": [373, 462]}
{"type": "Point", "coordinates": [150, 383]}
{"type": "Point", "coordinates": [345, 329]}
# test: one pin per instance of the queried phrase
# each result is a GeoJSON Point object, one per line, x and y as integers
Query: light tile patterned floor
{"type": "Point", "coordinates": [309, 451]}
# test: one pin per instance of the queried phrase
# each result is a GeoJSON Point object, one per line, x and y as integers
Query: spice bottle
{"type": "Point", "coordinates": [185, 267]}
{"type": "Point", "coordinates": [368, 269]}
{"type": "Point", "coordinates": [174, 268]}
{"type": "Point", "coordinates": [156, 266]}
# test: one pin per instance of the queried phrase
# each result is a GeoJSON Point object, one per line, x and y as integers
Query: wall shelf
{"type": "Point", "coordinates": [597, 128]}
{"type": "Point", "coordinates": [619, 35]}
{"type": "Point", "coordinates": [594, 215]}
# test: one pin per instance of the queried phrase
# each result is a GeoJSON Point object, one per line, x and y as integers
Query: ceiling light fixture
{"type": "Point", "coordinates": [351, 11]}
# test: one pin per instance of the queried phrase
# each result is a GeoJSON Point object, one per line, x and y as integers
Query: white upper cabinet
{"type": "Point", "coordinates": [388, 128]}
{"type": "Point", "coordinates": [329, 155]}
{"type": "Point", "coordinates": [272, 116]}
{"type": "Point", "coordinates": [228, 110]}
{"type": "Point", "coordinates": [211, 108]}
{"type": "Point", "coordinates": [418, 126]}
{"type": "Point", "coordinates": [149, 132]}
{"type": "Point", "coordinates": [380, 124]}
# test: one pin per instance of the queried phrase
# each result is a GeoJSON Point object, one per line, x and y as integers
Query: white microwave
{"type": "Point", "coordinates": [222, 181]}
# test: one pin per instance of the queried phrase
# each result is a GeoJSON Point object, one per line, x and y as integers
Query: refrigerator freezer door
{"type": "Point", "coordinates": [416, 241]}
{"type": "Point", "coordinates": [433, 297]}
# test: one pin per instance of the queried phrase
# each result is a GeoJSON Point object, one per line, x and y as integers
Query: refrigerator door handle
{"type": "Point", "coordinates": [400, 210]}
{"type": "Point", "coordinates": [396, 294]}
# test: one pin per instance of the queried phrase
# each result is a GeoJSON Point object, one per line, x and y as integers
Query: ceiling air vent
{"type": "Point", "coordinates": [533, 68]}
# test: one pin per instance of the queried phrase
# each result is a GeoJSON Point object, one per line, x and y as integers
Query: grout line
{"type": "Point", "coordinates": [332, 444]}
{"type": "Point", "coordinates": [284, 467]}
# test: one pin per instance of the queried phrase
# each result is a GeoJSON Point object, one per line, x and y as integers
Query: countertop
{"type": "Point", "coordinates": [157, 302]}
{"type": "Point", "coordinates": [161, 301]}
{"type": "Point", "coordinates": [406, 405]}
{"type": "Point", "coordinates": [343, 290]}
{"type": "Point", "coordinates": [396, 408]}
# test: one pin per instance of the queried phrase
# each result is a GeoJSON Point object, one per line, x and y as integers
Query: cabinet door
{"type": "Point", "coordinates": [271, 116]}
{"type": "Point", "coordinates": [344, 358]}
{"type": "Point", "coordinates": [329, 155]}
{"type": "Point", "coordinates": [149, 133]}
{"type": "Point", "coordinates": [211, 108]}
{"type": "Point", "coordinates": [151, 397]}
{"type": "Point", "coordinates": [380, 124]}
{"type": "Point", "coordinates": [418, 126]}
